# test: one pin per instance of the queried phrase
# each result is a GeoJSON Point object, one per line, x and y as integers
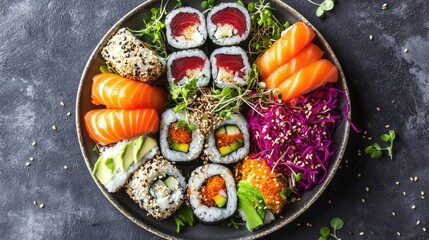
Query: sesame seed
{"type": "Point", "coordinates": [369, 138]}
{"type": "Point", "coordinates": [361, 233]}
{"type": "Point", "coordinates": [54, 127]}
{"type": "Point", "coordinates": [298, 224]}
{"type": "Point", "coordinates": [405, 50]}
{"type": "Point", "coordinates": [41, 205]}
{"type": "Point", "coordinates": [404, 193]}
{"type": "Point", "coordinates": [329, 201]}
{"type": "Point", "coordinates": [378, 109]}
{"type": "Point", "coordinates": [413, 207]}
{"type": "Point", "coordinates": [359, 175]}
{"type": "Point", "coordinates": [416, 179]}
{"type": "Point", "coordinates": [367, 189]}
{"type": "Point", "coordinates": [384, 6]}
{"type": "Point", "coordinates": [370, 37]}
{"type": "Point", "coordinates": [68, 114]}
{"type": "Point", "coordinates": [31, 158]}
{"type": "Point", "coordinates": [27, 164]}
{"type": "Point", "coordinates": [398, 233]}
{"type": "Point", "coordinates": [418, 222]}
{"type": "Point", "coordinates": [393, 214]}
{"type": "Point", "coordinates": [397, 182]}
{"type": "Point", "coordinates": [387, 126]}
{"type": "Point", "coordinates": [34, 202]}
{"type": "Point", "coordinates": [363, 200]}
{"type": "Point", "coordinates": [424, 229]}
{"type": "Point", "coordinates": [62, 104]}
{"type": "Point", "coordinates": [34, 143]}
{"type": "Point", "coordinates": [422, 197]}
{"type": "Point", "coordinates": [422, 193]}
{"type": "Point", "coordinates": [411, 179]}
{"type": "Point", "coordinates": [65, 167]}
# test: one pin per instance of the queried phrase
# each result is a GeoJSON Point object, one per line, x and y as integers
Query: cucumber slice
{"type": "Point", "coordinates": [232, 129]}
{"type": "Point", "coordinates": [220, 130]}
{"type": "Point", "coordinates": [171, 182]}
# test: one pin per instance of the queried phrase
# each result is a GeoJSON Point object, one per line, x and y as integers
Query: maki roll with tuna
{"type": "Point", "coordinates": [185, 65]}
{"type": "Point", "coordinates": [212, 193]}
{"type": "Point", "coordinates": [228, 24]}
{"type": "Point", "coordinates": [179, 143]}
{"type": "Point", "coordinates": [130, 58]}
{"type": "Point", "coordinates": [230, 67]}
{"type": "Point", "coordinates": [229, 142]}
{"type": "Point", "coordinates": [186, 28]}
{"type": "Point", "coordinates": [158, 187]}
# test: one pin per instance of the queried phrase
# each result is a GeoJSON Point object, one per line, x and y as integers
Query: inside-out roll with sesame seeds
{"type": "Point", "coordinates": [158, 187]}
{"type": "Point", "coordinates": [179, 143]}
{"type": "Point", "coordinates": [182, 66]}
{"type": "Point", "coordinates": [130, 58]}
{"type": "Point", "coordinates": [186, 28]}
{"type": "Point", "coordinates": [229, 141]}
{"type": "Point", "coordinates": [212, 193]}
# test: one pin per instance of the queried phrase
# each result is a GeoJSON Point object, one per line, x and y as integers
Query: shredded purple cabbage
{"type": "Point", "coordinates": [295, 137]}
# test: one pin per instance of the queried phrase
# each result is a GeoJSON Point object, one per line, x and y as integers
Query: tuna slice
{"type": "Point", "coordinates": [230, 62]}
{"type": "Point", "coordinates": [182, 21]}
{"type": "Point", "coordinates": [231, 16]}
{"type": "Point", "coordinates": [181, 66]}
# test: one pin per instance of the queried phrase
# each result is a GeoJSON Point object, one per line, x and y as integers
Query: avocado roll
{"type": "Point", "coordinates": [230, 67]}
{"type": "Point", "coordinates": [130, 58]}
{"type": "Point", "coordinates": [228, 24]}
{"type": "Point", "coordinates": [158, 187]}
{"type": "Point", "coordinates": [178, 143]}
{"type": "Point", "coordinates": [186, 28]}
{"type": "Point", "coordinates": [182, 66]}
{"type": "Point", "coordinates": [212, 193]}
{"type": "Point", "coordinates": [118, 162]}
{"type": "Point", "coordinates": [229, 142]}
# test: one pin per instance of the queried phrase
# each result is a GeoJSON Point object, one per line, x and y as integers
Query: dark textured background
{"type": "Point", "coordinates": [44, 46]}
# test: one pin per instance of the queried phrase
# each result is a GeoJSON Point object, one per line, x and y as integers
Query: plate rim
{"type": "Point", "coordinates": [273, 228]}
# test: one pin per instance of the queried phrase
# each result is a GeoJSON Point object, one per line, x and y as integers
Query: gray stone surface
{"type": "Point", "coordinates": [44, 46]}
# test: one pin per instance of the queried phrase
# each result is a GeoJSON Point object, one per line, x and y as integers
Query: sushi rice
{"type": "Point", "coordinates": [202, 76]}
{"type": "Point", "coordinates": [220, 75]}
{"type": "Point", "coordinates": [203, 212]}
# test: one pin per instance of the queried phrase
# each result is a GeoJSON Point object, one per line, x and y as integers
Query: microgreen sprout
{"type": "Point", "coordinates": [375, 151]}
{"type": "Point", "coordinates": [325, 6]}
{"type": "Point", "coordinates": [231, 223]}
{"type": "Point", "coordinates": [336, 224]}
{"type": "Point", "coordinates": [208, 4]}
{"type": "Point", "coordinates": [105, 69]}
{"type": "Point", "coordinates": [154, 29]}
{"type": "Point", "coordinates": [180, 96]}
{"type": "Point", "coordinates": [265, 26]}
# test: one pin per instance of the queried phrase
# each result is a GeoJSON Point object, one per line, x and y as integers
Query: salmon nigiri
{"type": "Point", "coordinates": [115, 91]}
{"type": "Point", "coordinates": [309, 54]}
{"type": "Point", "coordinates": [112, 125]}
{"type": "Point", "coordinates": [307, 79]}
{"type": "Point", "coordinates": [292, 42]}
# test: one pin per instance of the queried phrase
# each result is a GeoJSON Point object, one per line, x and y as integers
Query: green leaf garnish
{"type": "Point", "coordinates": [325, 231]}
{"type": "Point", "coordinates": [298, 176]}
{"type": "Point", "coordinates": [105, 69]}
{"type": "Point", "coordinates": [375, 151]}
{"type": "Point", "coordinates": [183, 217]}
{"type": "Point", "coordinates": [336, 224]}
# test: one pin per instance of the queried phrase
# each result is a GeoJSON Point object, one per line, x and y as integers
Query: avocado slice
{"type": "Point", "coordinates": [220, 130]}
{"type": "Point", "coordinates": [225, 150]}
{"type": "Point", "coordinates": [181, 147]}
{"type": "Point", "coordinates": [236, 145]}
{"type": "Point", "coordinates": [171, 182]}
{"type": "Point", "coordinates": [248, 198]}
{"type": "Point", "coordinates": [232, 129]}
{"type": "Point", "coordinates": [148, 144]}
{"type": "Point", "coordinates": [128, 157]}
{"type": "Point", "coordinates": [138, 143]}
{"type": "Point", "coordinates": [102, 171]}
{"type": "Point", "coordinates": [118, 157]}
{"type": "Point", "coordinates": [220, 200]}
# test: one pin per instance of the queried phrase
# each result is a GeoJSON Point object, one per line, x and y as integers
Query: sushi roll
{"type": "Point", "coordinates": [185, 65]}
{"type": "Point", "coordinates": [228, 24]}
{"type": "Point", "coordinates": [118, 162]}
{"type": "Point", "coordinates": [230, 67]}
{"type": "Point", "coordinates": [178, 144]}
{"type": "Point", "coordinates": [158, 187]}
{"type": "Point", "coordinates": [186, 28]}
{"type": "Point", "coordinates": [212, 193]}
{"type": "Point", "coordinates": [130, 58]}
{"type": "Point", "coordinates": [229, 142]}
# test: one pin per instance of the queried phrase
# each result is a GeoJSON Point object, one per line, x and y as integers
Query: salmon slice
{"type": "Point", "coordinates": [307, 79]}
{"type": "Point", "coordinates": [308, 55]}
{"type": "Point", "coordinates": [182, 21]}
{"type": "Point", "coordinates": [107, 126]}
{"type": "Point", "coordinates": [115, 91]}
{"type": "Point", "coordinates": [291, 43]}
{"type": "Point", "coordinates": [231, 16]}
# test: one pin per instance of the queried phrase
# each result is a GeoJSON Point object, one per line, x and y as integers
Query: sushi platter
{"type": "Point", "coordinates": [212, 120]}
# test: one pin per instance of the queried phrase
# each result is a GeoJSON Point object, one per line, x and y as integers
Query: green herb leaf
{"type": "Point", "coordinates": [320, 12]}
{"type": "Point", "coordinates": [327, 5]}
{"type": "Point", "coordinates": [323, 238]}
{"type": "Point", "coordinates": [324, 231]}
{"type": "Point", "coordinates": [204, 5]}
{"type": "Point", "coordinates": [240, 2]}
{"type": "Point", "coordinates": [95, 149]}
{"type": "Point", "coordinates": [336, 223]}
{"type": "Point", "coordinates": [105, 69]}
{"type": "Point", "coordinates": [212, 3]}
{"type": "Point", "coordinates": [385, 137]}
{"type": "Point", "coordinates": [183, 216]}
{"type": "Point", "coordinates": [192, 127]}
{"type": "Point", "coordinates": [369, 150]}
{"type": "Point", "coordinates": [282, 193]}
{"type": "Point", "coordinates": [377, 154]}
{"type": "Point", "coordinates": [181, 123]}
{"type": "Point", "coordinates": [251, 6]}
{"type": "Point", "coordinates": [298, 176]}
{"type": "Point", "coordinates": [392, 135]}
